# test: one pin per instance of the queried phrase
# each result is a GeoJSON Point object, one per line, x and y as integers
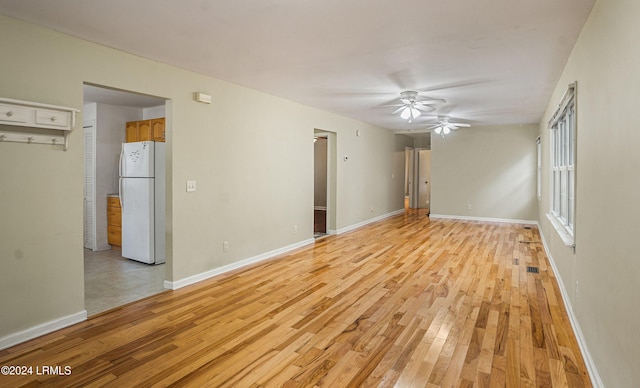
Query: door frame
{"type": "Point", "coordinates": [317, 166]}
{"type": "Point", "coordinates": [412, 175]}
{"type": "Point", "coordinates": [332, 166]}
{"type": "Point", "coordinates": [168, 113]}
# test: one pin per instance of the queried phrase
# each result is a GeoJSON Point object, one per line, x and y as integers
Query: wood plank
{"type": "Point", "coordinates": [407, 301]}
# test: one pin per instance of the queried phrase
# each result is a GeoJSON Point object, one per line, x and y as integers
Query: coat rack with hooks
{"type": "Point", "coordinates": [26, 115]}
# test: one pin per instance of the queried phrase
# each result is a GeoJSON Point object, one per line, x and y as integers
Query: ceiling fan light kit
{"type": "Point", "coordinates": [443, 130]}
{"type": "Point", "coordinates": [410, 113]}
{"type": "Point", "coordinates": [412, 105]}
{"type": "Point", "coordinates": [444, 126]}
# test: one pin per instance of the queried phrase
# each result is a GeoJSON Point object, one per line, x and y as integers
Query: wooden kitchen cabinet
{"type": "Point", "coordinates": [157, 129]}
{"type": "Point", "coordinates": [133, 134]}
{"type": "Point", "coordinates": [145, 130]}
{"type": "Point", "coordinates": [114, 221]}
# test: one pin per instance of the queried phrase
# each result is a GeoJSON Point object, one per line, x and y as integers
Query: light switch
{"type": "Point", "coordinates": [191, 186]}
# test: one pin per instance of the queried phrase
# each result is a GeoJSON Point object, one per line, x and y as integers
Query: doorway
{"type": "Point", "coordinates": [417, 184]}
{"type": "Point", "coordinates": [110, 279]}
{"type": "Point", "coordinates": [320, 154]}
{"type": "Point", "coordinates": [324, 183]}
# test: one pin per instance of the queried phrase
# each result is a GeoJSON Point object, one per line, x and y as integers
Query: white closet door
{"type": "Point", "coordinates": [89, 185]}
{"type": "Point", "coordinates": [424, 179]}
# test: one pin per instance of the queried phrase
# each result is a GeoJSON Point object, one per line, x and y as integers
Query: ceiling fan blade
{"type": "Point", "coordinates": [429, 101]}
{"type": "Point", "coordinates": [461, 84]}
{"type": "Point", "coordinates": [398, 110]}
{"type": "Point", "coordinates": [451, 126]}
{"type": "Point", "coordinates": [424, 108]}
{"type": "Point", "coordinates": [385, 106]}
{"type": "Point", "coordinates": [461, 124]}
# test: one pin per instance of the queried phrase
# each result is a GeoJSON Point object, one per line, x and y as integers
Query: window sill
{"type": "Point", "coordinates": [566, 238]}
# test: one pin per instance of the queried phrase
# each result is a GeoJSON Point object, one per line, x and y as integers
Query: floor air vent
{"type": "Point", "coordinates": [533, 270]}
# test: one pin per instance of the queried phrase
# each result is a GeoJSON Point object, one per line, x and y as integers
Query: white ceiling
{"type": "Point", "coordinates": [495, 62]}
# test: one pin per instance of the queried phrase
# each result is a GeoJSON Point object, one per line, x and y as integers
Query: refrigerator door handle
{"type": "Point", "coordinates": [121, 195]}
{"type": "Point", "coordinates": [120, 163]}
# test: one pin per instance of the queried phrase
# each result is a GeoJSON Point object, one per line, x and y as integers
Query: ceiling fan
{"type": "Point", "coordinates": [412, 105]}
{"type": "Point", "coordinates": [444, 126]}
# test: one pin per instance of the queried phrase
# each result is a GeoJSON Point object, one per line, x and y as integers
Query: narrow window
{"type": "Point", "coordinates": [563, 165]}
{"type": "Point", "coordinates": [539, 172]}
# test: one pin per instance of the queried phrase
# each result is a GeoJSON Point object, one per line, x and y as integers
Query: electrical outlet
{"type": "Point", "coordinates": [191, 186]}
{"type": "Point", "coordinates": [225, 246]}
{"type": "Point", "coordinates": [468, 206]}
{"type": "Point", "coordinates": [295, 229]}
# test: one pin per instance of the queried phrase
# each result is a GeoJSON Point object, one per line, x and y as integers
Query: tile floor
{"type": "Point", "coordinates": [111, 280]}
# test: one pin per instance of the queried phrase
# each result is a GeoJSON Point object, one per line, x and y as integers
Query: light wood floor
{"type": "Point", "coordinates": [402, 302]}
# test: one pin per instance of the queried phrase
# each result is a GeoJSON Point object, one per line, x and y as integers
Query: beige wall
{"type": "Point", "coordinates": [491, 168]}
{"type": "Point", "coordinates": [603, 276]}
{"type": "Point", "coordinates": [254, 171]}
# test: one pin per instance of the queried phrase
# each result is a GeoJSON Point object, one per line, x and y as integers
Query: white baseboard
{"type": "Point", "coordinates": [256, 259]}
{"type": "Point", "coordinates": [369, 221]}
{"type": "Point", "coordinates": [103, 247]}
{"type": "Point", "coordinates": [42, 329]}
{"type": "Point", "coordinates": [233, 266]}
{"type": "Point", "coordinates": [588, 360]}
{"type": "Point", "coordinates": [484, 219]}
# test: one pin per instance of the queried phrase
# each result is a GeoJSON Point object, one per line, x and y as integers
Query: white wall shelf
{"type": "Point", "coordinates": [27, 114]}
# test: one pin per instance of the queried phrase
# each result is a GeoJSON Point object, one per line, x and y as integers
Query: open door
{"type": "Point", "coordinates": [424, 180]}
{"type": "Point", "coordinates": [409, 191]}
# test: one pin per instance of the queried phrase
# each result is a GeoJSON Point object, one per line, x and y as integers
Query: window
{"type": "Point", "coordinates": [539, 177]}
{"type": "Point", "coordinates": [563, 163]}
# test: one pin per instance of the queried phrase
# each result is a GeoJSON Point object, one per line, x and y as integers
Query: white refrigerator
{"type": "Point", "coordinates": [142, 185]}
